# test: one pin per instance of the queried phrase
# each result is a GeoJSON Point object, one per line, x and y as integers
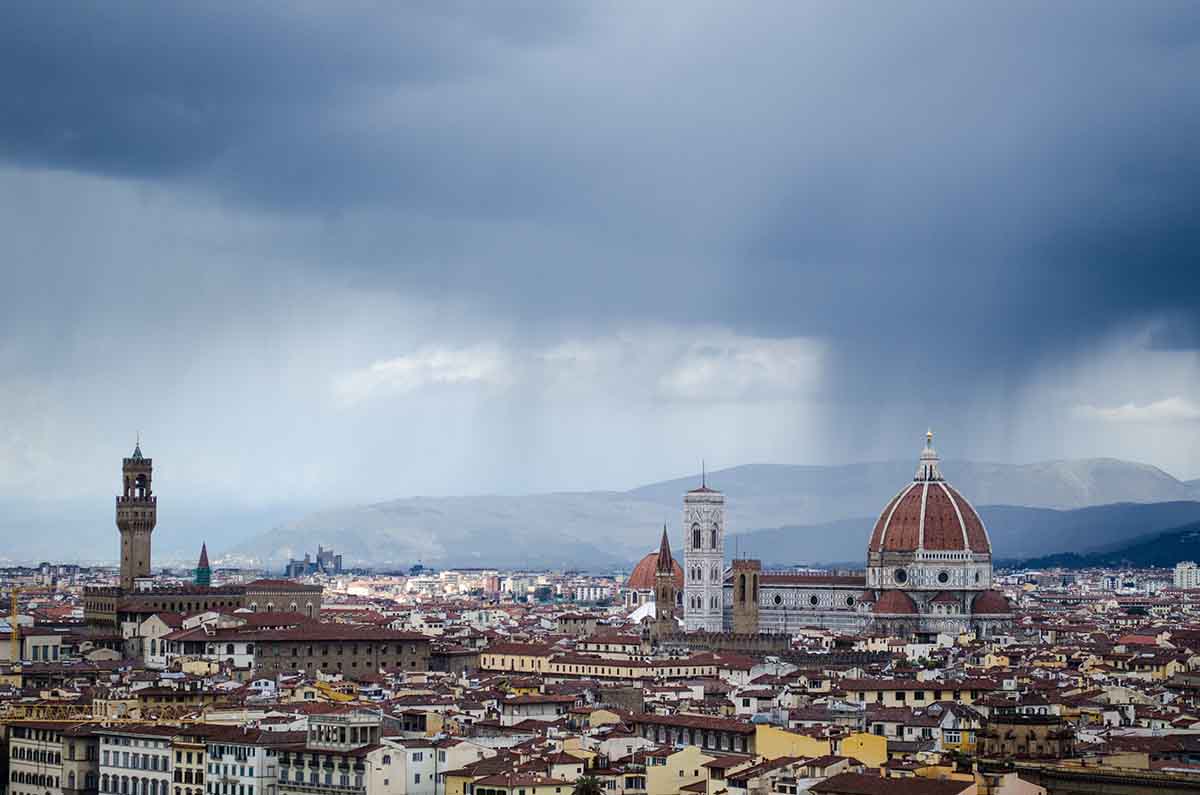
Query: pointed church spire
{"type": "Point", "coordinates": [203, 570]}
{"type": "Point", "coordinates": [666, 564]}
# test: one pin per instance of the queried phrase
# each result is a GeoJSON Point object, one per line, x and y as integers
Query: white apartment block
{"type": "Point", "coordinates": [1187, 575]}
{"type": "Point", "coordinates": [136, 761]}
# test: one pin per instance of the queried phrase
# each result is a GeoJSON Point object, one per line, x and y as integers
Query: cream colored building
{"type": "Point", "coordinates": [671, 773]}
{"type": "Point", "coordinates": [46, 757]}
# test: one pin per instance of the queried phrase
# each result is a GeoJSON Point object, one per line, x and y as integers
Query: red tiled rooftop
{"type": "Point", "coordinates": [895, 603]}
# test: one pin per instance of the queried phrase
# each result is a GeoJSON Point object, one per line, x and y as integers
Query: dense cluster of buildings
{"type": "Point", "coordinates": [327, 562]}
{"type": "Point", "coordinates": [693, 677]}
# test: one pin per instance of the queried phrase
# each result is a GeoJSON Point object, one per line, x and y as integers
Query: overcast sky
{"type": "Point", "coordinates": [359, 251]}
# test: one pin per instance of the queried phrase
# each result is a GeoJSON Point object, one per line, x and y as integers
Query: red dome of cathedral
{"type": "Point", "coordinates": [896, 603]}
{"type": "Point", "coordinates": [642, 576]}
{"type": "Point", "coordinates": [929, 515]}
{"type": "Point", "coordinates": [991, 602]}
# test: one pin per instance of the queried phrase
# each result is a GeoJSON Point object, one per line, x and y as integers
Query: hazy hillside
{"type": "Point", "coordinates": [820, 494]}
{"type": "Point", "coordinates": [1016, 532]}
{"type": "Point", "coordinates": [825, 514]}
{"type": "Point", "coordinates": [1162, 548]}
{"type": "Point", "coordinates": [597, 529]}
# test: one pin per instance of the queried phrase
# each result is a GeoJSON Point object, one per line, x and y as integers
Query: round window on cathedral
{"type": "Point", "coordinates": [813, 600]}
{"type": "Point", "coordinates": [943, 577]}
{"type": "Point", "coordinates": [778, 599]}
{"type": "Point", "coordinates": [849, 601]}
{"type": "Point", "coordinates": [900, 575]}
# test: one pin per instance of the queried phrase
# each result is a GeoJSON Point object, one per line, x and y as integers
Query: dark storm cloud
{"type": "Point", "coordinates": [925, 155]}
{"type": "Point", "coordinates": [999, 183]}
{"type": "Point", "coordinates": [234, 93]}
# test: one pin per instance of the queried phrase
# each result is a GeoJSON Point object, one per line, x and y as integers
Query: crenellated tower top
{"type": "Point", "coordinates": [137, 515]}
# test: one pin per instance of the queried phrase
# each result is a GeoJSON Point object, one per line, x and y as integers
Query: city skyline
{"type": "Point", "coordinates": [571, 398]}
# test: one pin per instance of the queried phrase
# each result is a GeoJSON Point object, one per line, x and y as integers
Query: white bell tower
{"type": "Point", "coordinates": [704, 559]}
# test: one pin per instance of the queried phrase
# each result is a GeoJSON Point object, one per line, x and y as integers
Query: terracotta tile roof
{"type": "Point", "coordinates": [926, 514]}
{"type": "Point", "coordinates": [990, 603]}
{"type": "Point", "coordinates": [642, 576]}
{"type": "Point", "coordinates": [866, 784]}
{"type": "Point", "coordinates": [895, 603]}
{"type": "Point", "coordinates": [333, 632]}
{"type": "Point", "coordinates": [903, 510]}
{"type": "Point", "coordinates": [942, 529]}
{"type": "Point", "coordinates": [704, 722]}
{"type": "Point", "coordinates": [977, 536]}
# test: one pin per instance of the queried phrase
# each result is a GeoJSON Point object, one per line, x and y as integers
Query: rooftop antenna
{"type": "Point", "coordinates": [703, 475]}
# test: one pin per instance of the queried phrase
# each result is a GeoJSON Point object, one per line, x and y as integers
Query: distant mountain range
{"type": "Point", "coordinates": [1163, 548]}
{"type": "Point", "coordinates": [1017, 532]}
{"type": "Point", "coordinates": [785, 514]}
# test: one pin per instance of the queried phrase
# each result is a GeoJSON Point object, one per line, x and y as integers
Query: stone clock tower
{"type": "Point", "coordinates": [137, 513]}
{"type": "Point", "coordinates": [704, 559]}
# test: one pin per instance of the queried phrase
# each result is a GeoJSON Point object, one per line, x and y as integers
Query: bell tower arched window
{"type": "Point", "coordinates": [695, 536]}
